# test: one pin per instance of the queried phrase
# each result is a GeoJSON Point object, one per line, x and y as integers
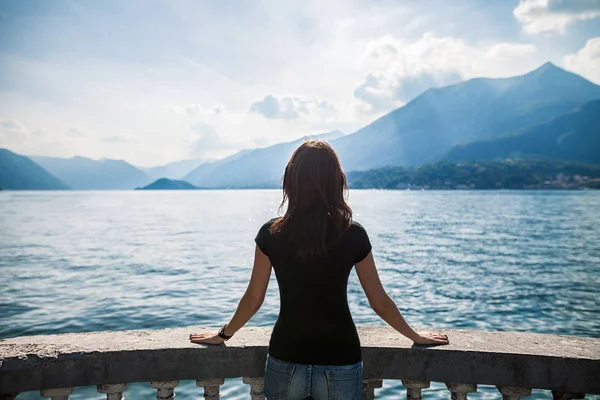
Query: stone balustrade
{"type": "Point", "coordinates": [514, 362]}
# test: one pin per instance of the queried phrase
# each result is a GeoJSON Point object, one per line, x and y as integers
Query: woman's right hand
{"type": "Point", "coordinates": [427, 338]}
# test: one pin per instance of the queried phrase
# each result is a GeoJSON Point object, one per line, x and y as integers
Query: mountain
{"type": "Point", "coordinates": [477, 109]}
{"type": "Point", "coordinates": [82, 173]}
{"type": "Point", "coordinates": [574, 136]}
{"type": "Point", "coordinates": [174, 170]}
{"type": "Point", "coordinates": [21, 173]}
{"type": "Point", "coordinates": [256, 168]}
{"type": "Point", "coordinates": [168, 184]}
{"type": "Point", "coordinates": [469, 120]}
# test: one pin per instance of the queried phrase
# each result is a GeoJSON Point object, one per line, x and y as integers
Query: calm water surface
{"type": "Point", "coordinates": [89, 261]}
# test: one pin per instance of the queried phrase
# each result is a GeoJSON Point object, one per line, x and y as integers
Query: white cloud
{"type": "Point", "coordinates": [510, 50]}
{"type": "Point", "coordinates": [292, 107]}
{"type": "Point", "coordinates": [400, 70]}
{"type": "Point", "coordinates": [11, 125]}
{"type": "Point", "coordinates": [77, 132]}
{"type": "Point", "coordinates": [20, 138]}
{"type": "Point", "coordinates": [197, 109]}
{"type": "Point", "coordinates": [115, 139]}
{"type": "Point", "coordinates": [273, 107]}
{"type": "Point", "coordinates": [156, 77]}
{"type": "Point", "coordinates": [13, 134]}
{"type": "Point", "coordinates": [206, 141]}
{"type": "Point", "coordinates": [586, 61]}
{"type": "Point", "coordinates": [538, 16]}
{"type": "Point", "coordinates": [118, 137]}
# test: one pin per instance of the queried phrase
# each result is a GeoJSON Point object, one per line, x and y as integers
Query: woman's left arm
{"type": "Point", "coordinates": [249, 304]}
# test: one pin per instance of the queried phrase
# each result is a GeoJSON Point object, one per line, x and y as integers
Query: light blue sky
{"type": "Point", "coordinates": [156, 81]}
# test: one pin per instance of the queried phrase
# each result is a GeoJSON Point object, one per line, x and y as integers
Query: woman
{"type": "Point", "coordinates": [314, 349]}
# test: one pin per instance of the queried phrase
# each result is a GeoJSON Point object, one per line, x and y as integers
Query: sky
{"type": "Point", "coordinates": [155, 81]}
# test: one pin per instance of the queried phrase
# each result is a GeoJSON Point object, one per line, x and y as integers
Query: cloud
{"type": "Point", "coordinates": [23, 139]}
{"type": "Point", "coordinates": [12, 133]}
{"type": "Point", "coordinates": [77, 132]}
{"type": "Point", "coordinates": [291, 107]}
{"type": "Point", "coordinates": [121, 136]}
{"type": "Point", "coordinates": [400, 71]}
{"type": "Point", "coordinates": [11, 125]}
{"type": "Point", "coordinates": [510, 50]}
{"type": "Point", "coordinates": [204, 129]}
{"type": "Point", "coordinates": [206, 141]}
{"type": "Point", "coordinates": [586, 61]}
{"type": "Point", "coordinates": [197, 109]}
{"type": "Point", "coordinates": [275, 108]}
{"type": "Point", "coordinates": [115, 139]}
{"type": "Point", "coordinates": [156, 76]}
{"type": "Point", "coordinates": [538, 16]}
{"type": "Point", "coordinates": [382, 91]}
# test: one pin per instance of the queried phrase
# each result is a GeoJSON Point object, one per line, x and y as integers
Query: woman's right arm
{"type": "Point", "coordinates": [385, 307]}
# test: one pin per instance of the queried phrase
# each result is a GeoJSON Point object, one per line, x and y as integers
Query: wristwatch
{"type": "Point", "coordinates": [222, 334]}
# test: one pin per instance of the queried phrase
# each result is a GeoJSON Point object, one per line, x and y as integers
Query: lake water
{"type": "Point", "coordinates": [89, 261]}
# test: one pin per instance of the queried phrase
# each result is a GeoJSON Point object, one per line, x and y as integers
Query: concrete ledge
{"type": "Point", "coordinates": [564, 363]}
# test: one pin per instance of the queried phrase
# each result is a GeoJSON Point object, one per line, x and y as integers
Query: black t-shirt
{"type": "Point", "coordinates": [314, 325]}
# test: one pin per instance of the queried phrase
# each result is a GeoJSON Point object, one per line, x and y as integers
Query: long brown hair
{"type": "Point", "coordinates": [315, 188]}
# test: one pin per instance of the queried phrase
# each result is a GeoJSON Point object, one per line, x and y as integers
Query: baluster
{"type": "Point", "coordinates": [513, 393]}
{"type": "Point", "coordinates": [212, 387]}
{"type": "Point", "coordinates": [413, 388]}
{"type": "Point", "coordinates": [113, 391]}
{"type": "Point", "coordinates": [459, 390]}
{"type": "Point", "coordinates": [558, 395]}
{"type": "Point", "coordinates": [369, 386]}
{"type": "Point", "coordinates": [57, 394]}
{"type": "Point", "coordinates": [257, 387]}
{"type": "Point", "coordinates": [165, 389]}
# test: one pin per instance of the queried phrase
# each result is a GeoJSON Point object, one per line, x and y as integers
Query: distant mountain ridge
{"type": "Point", "coordinates": [428, 126]}
{"type": "Point", "coordinates": [82, 173]}
{"type": "Point", "coordinates": [256, 168]}
{"type": "Point", "coordinates": [18, 172]}
{"type": "Point", "coordinates": [547, 113]}
{"type": "Point", "coordinates": [574, 136]}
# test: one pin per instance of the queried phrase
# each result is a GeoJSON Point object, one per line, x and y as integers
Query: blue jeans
{"type": "Point", "coordinates": [288, 381]}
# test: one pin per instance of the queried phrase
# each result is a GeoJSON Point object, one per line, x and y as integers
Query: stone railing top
{"type": "Point", "coordinates": [554, 362]}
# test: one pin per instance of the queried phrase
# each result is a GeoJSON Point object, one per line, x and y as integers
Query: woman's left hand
{"type": "Point", "coordinates": [206, 338]}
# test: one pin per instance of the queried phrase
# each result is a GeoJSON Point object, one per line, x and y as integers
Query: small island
{"type": "Point", "coordinates": [168, 184]}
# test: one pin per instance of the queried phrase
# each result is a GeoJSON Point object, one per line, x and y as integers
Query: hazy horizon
{"type": "Point", "coordinates": [165, 81]}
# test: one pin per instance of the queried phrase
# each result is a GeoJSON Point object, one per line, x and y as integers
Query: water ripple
{"type": "Point", "coordinates": [91, 261]}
